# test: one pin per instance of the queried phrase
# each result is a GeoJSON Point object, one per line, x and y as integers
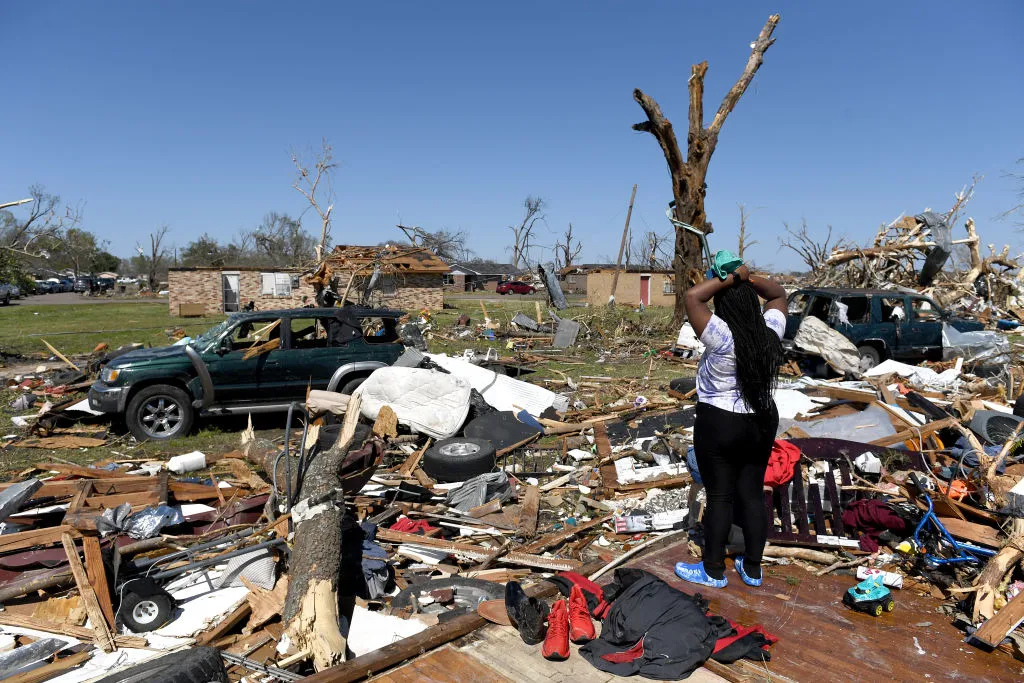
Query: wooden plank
{"type": "Point", "coordinates": [104, 638]}
{"type": "Point", "coordinates": [51, 670]}
{"type": "Point", "coordinates": [79, 471]}
{"type": "Point", "coordinates": [78, 502]}
{"type": "Point", "coordinates": [189, 492]}
{"type": "Point", "coordinates": [223, 628]}
{"type": "Point", "coordinates": [413, 461]}
{"type": "Point", "coordinates": [552, 540]}
{"type": "Point", "coordinates": [133, 499]}
{"type": "Point", "coordinates": [922, 431]}
{"type": "Point", "coordinates": [529, 511]}
{"type": "Point", "coordinates": [998, 627]}
{"type": "Point", "coordinates": [28, 539]}
{"type": "Point", "coordinates": [96, 570]}
{"type": "Point", "coordinates": [58, 354]}
{"type": "Point", "coordinates": [478, 553]}
{"type": "Point", "coordinates": [80, 632]}
{"type": "Point", "coordinates": [162, 492]}
{"type": "Point", "coordinates": [975, 533]}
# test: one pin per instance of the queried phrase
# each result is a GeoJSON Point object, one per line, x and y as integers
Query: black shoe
{"type": "Point", "coordinates": [527, 614]}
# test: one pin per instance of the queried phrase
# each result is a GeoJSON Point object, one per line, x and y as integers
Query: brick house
{"type": "Point", "coordinates": [410, 279]}
{"type": "Point", "coordinates": [651, 287]}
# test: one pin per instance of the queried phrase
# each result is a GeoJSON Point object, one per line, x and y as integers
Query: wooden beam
{"type": "Point", "coordinates": [51, 670]}
{"type": "Point", "coordinates": [7, 618]}
{"type": "Point", "coordinates": [528, 512]}
{"type": "Point", "coordinates": [104, 638]}
{"type": "Point", "coordinates": [223, 628]}
{"type": "Point", "coordinates": [998, 627]}
{"type": "Point", "coordinates": [478, 553]}
{"type": "Point", "coordinates": [96, 570]}
{"type": "Point", "coordinates": [552, 540]}
{"type": "Point", "coordinates": [917, 432]}
{"type": "Point", "coordinates": [78, 471]}
{"type": "Point", "coordinates": [28, 539]}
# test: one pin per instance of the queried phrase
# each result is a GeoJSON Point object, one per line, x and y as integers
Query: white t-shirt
{"type": "Point", "coordinates": [716, 373]}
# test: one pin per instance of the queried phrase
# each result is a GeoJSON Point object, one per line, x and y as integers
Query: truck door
{"type": "Point", "coordinates": [923, 336]}
{"type": "Point", "coordinates": [234, 378]}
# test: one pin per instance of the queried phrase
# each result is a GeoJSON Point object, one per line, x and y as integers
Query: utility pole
{"type": "Point", "coordinates": [622, 248]}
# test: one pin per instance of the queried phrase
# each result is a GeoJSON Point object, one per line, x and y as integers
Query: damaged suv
{"type": "Point", "coordinates": [252, 362]}
{"type": "Point", "coordinates": [881, 323]}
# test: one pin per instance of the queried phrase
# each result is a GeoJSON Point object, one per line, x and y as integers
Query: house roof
{"type": "Point", "coordinates": [236, 269]}
{"type": "Point", "coordinates": [401, 259]}
{"type": "Point", "coordinates": [487, 268]}
{"type": "Point", "coordinates": [610, 267]}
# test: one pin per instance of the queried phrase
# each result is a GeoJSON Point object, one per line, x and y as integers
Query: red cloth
{"type": "Point", "coordinates": [780, 465]}
{"type": "Point", "coordinates": [410, 527]}
{"type": "Point", "coordinates": [629, 655]}
{"type": "Point", "coordinates": [872, 517]}
{"type": "Point", "coordinates": [743, 631]}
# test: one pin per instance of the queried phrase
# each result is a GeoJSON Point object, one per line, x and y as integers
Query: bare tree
{"type": "Point", "coordinates": [314, 181]}
{"type": "Point", "coordinates": [813, 253]}
{"type": "Point", "coordinates": [655, 250]}
{"type": "Point", "coordinates": [280, 240]}
{"type": "Point", "coordinates": [45, 223]}
{"type": "Point", "coordinates": [523, 233]}
{"type": "Point", "coordinates": [447, 245]}
{"type": "Point", "coordinates": [567, 249]}
{"type": "Point", "coordinates": [156, 258]}
{"type": "Point", "coordinates": [744, 243]}
{"type": "Point", "coordinates": [689, 173]}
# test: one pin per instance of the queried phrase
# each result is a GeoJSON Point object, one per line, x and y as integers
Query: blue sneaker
{"type": "Point", "coordinates": [743, 575]}
{"type": "Point", "coordinates": [694, 573]}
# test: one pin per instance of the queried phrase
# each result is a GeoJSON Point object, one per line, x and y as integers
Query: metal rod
{"type": "Point", "coordinates": [253, 665]}
{"type": "Point", "coordinates": [169, 573]}
{"type": "Point", "coordinates": [144, 563]}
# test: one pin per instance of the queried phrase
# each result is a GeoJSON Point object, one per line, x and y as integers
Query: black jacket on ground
{"type": "Point", "coordinates": [653, 630]}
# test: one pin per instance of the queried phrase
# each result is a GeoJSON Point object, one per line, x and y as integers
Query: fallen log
{"type": "Point", "coordinates": [311, 607]}
{"type": "Point", "coordinates": [800, 554]}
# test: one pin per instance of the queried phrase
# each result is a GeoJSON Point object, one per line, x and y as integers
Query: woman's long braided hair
{"type": "Point", "coordinates": [758, 349]}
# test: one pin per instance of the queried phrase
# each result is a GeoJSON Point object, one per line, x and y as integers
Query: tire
{"type": "Point", "coordinates": [869, 356]}
{"type": "Point", "coordinates": [877, 610]}
{"type": "Point", "coordinates": [193, 665]}
{"type": "Point", "coordinates": [151, 417]}
{"type": "Point", "coordinates": [890, 606]}
{"type": "Point", "coordinates": [459, 459]}
{"type": "Point", "coordinates": [143, 613]}
{"type": "Point", "coordinates": [351, 385]}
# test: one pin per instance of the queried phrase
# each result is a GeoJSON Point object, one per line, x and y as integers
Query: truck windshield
{"type": "Point", "coordinates": [211, 334]}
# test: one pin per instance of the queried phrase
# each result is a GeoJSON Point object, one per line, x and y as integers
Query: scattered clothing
{"type": "Point", "coordinates": [747, 642]}
{"type": "Point", "coordinates": [593, 593]}
{"type": "Point", "coordinates": [420, 526]}
{"type": "Point", "coordinates": [781, 462]}
{"type": "Point", "coordinates": [872, 518]}
{"type": "Point", "coordinates": [653, 630]}
{"type": "Point", "coordinates": [378, 575]}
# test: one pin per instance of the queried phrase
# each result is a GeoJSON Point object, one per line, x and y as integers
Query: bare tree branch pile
{"type": "Point", "coordinates": [898, 251]}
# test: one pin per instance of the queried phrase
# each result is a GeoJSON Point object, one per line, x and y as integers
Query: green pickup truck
{"type": "Point", "coordinates": [158, 392]}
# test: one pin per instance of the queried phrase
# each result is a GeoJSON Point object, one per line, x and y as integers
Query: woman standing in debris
{"type": "Point", "coordinates": [736, 414]}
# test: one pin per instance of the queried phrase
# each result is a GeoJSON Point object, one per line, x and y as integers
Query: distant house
{"type": "Point", "coordinates": [407, 278]}
{"type": "Point", "coordinates": [574, 278]}
{"type": "Point", "coordinates": [636, 285]}
{"type": "Point", "coordinates": [480, 275]}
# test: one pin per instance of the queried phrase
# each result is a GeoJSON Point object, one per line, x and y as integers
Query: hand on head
{"type": "Point", "coordinates": [742, 273]}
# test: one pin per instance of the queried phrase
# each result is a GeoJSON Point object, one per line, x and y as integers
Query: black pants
{"type": "Point", "coordinates": [732, 452]}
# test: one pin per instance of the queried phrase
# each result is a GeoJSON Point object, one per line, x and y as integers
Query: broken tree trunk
{"type": "Point", "coordinates": [992, 576]}
{"type": "Point", "coordinates": [688, 174]}
{"type": "Point", "coordinates": [311, 609]}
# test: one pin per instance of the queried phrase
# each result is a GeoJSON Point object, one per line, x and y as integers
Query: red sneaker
{"type": "Point", "coordinates": [581, 628]}
{"type": "Point", "coordinates": [556, 642]}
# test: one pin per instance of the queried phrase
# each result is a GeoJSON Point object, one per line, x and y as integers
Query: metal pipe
{"type": "Point", "coordinates": [253, 665]}
{"type": "Point", "coordinates": [149, 562]}
{"type": "Point", "coordinates": [169, 573]}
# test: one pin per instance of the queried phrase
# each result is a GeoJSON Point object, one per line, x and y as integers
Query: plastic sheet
{"type": "Point", "coordinates": [144, 524]}
{"type": "Point", "coordinates": [867, 425]}
{"type": "Point", "coordinates": [26, 655]}
{"type": "Point", "coordinates": [974, 346]}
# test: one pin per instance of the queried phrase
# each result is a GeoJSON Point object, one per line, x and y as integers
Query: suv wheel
{"type": "Point", "coordinates": [159, 413]}
{"type": "Point", "coordinates": [869, 357]}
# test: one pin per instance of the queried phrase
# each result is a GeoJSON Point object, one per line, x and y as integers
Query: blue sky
{"type": "Point", "coordinates": [446, 115]}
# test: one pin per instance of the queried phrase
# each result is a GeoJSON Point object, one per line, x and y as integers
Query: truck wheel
{"type": "Point", "coordinates": [159, 413]}
{"type": "Point", "coordinates": [350, 386]}
{"type": "Point", "coordinates": [192, 665]}
{"type": "Point", "coordinates": [459, 459]}
{"type": "Point", "coordinates": [869, 357]}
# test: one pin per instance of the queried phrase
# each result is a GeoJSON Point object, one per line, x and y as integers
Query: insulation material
{"type": "Point", "coordinates": [371, 631]}
{"type": "Point", "coordinates": [918, 375]}
{"type": "Point", "coordinates": [500, 391]}
{"type": "Point", "coordinates": [791, 403]}
{"type": "Point", "coordinates": [426, 401]}
{"type": "Point", "coordinates": [815, 336]}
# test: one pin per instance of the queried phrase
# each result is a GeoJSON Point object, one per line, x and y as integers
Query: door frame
{"type": "Point", "coordinates": [645, 284]}
{"type": "Point", "coordinates": [238, 290]}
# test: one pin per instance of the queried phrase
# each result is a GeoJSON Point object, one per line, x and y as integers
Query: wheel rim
{"type": "Point", "coordinates": [462, 448]}
{"type": "Point", "coordinates": [160, 416]}
{"type": "Point", "coordinates": [146, 612]}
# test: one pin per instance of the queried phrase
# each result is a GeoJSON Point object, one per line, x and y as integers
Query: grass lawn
{"type": "Point", "coordinates": [614, 343]}
{"type": "Point", "coordinates": [75, 328]}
